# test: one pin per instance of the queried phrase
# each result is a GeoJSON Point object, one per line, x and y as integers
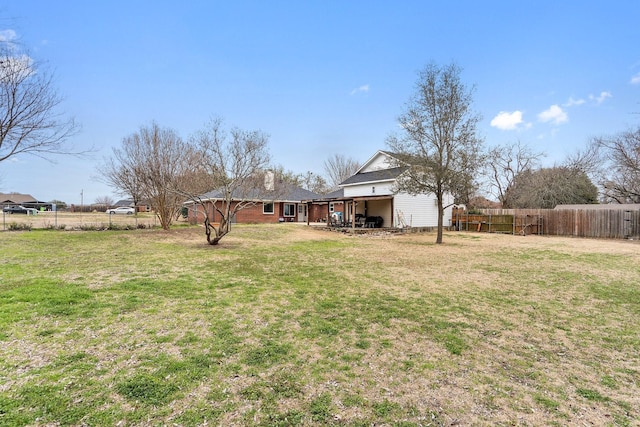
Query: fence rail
{"type": "Point", "coordinates": [596, 223]}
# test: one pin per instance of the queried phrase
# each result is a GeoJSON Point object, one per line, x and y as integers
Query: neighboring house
{"type": "Point", "coordinates": [26, 200]}
{"type": "Point", "coordinates": [287, 206]}
{"type": "Point", "coordinates": [369, 198]}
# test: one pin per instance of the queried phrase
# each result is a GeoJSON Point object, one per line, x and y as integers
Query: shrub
{"type": "Point", "coordinates": [14, 226]}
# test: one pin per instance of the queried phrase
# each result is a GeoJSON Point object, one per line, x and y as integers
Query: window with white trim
{"type": "Point", "coordinates": [289, 209]}
{"type": "Point", "coordinates": [267, 208]}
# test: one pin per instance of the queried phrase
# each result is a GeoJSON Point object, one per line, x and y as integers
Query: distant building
{"type": "Point", "coordinates": [26, 200]}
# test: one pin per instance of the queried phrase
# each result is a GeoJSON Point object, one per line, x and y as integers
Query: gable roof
{"type": "Point", "coordinates": [372, 160]}
{"type": "Point", "coordinates": [374, 176]}
{"type": "Point", "coordinates": [16, 198]}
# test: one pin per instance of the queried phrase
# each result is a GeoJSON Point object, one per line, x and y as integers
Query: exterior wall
{"type": "Point", "coordinates": [374, 189]}
{"type": "Point", "coordinates": [420, 210]}
{"type": "Point", "coordinates": [254, 214]}
{"type": "Point", "coordinates": [381, 161]}
{"type": "Point", "coordinates": [249, 215]}
{"type": "Point", "coordinates": [318, 212]}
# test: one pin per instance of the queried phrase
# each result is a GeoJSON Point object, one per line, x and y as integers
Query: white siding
{"type": "Point", "coordinates": [420, 211]}
{"type": "Point", "coordinates": [381, 161]}
{"type": "Point", "coordinates": [371, 189]}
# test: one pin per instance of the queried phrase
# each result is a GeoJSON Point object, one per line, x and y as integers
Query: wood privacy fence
{"type": "Point", "coordinates": [596, 223]}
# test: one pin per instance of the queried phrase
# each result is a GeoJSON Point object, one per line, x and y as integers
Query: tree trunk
{"type": "Point", "coordinates": [218, 233]}
{"type": "Point", "coordinates": [440, 218]}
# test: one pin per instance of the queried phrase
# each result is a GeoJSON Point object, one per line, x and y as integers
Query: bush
{"type": "Point", "coordinates": [14, 226]}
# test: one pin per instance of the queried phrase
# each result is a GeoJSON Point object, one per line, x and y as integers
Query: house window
{"type": "Point", "coordinates": [267, 208]}
{"type": "Point", "coordinates": [289, 209]}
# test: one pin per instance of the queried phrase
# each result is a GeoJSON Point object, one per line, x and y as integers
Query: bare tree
{"type": "Point", "coordinates": [438, 138]}
{"type": "Point", "coordinates": [117, 171]}
{"type": "Point", "coordinates": [313, 182]}
{"type": "Point", "coordinates": [234, 169]}
{"type": "Point", "coordinates": [338, 168]}
{"type": "Point", "coordinates": [504, 164]}
{"type": "Point", "coordinates": [621, 176]}
{"type": "Point", "coordinates": [308, 180]}
{"type": "Point", "coordinates": [103, 202]}
{"type": "Point", "coordinates": [30, 120]}
{"type": "Point", "coordinates": [587, 159]}
{"type": "Point", "coordinates": [150, 164]}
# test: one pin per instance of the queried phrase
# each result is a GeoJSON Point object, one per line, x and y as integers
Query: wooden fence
{"type": "Point", "coordinates": [498, 223]}
{"type": "Point", "coordinates": [596, 223]}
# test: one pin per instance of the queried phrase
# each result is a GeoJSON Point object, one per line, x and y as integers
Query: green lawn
{"type": "Point", "coordinates": [282, 325]}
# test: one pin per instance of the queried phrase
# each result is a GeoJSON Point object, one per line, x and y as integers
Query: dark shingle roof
{"type": "Point", "coordinates": [335, 194]}
{"type": "Point", "coordinates": [285, 192]}
{"type": "Point", "coordinates": [379, 175]}
{"type": "Point", "coordinates": [16, 198]}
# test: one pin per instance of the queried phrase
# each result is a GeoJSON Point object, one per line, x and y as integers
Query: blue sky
{"type": "Point", "coordinates": [321, 77]}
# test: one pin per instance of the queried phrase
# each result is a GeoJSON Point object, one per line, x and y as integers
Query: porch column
{"type": "Point", "coordinates": [353, 214]}
{"type": "Point", "coordinates": [328, 214]}
{"type": "Point", "coordinates": [392, 223]}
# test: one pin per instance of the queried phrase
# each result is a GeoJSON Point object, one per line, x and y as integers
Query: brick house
{"type": "Point", "coordinates": [286, 206]}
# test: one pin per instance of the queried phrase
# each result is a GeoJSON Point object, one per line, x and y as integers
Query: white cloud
{"type": "Point", "coordinates": [635, 80]}
{"type": "Point", "coordinates": [600, 98]}
{"type": "Point", "coordinates": [507, 121]}
{"type": "Point", "coordinates": [571, 102]}
{"type": "Point", "coordinates": [553, 114]}
{"type": "Point", "coordinates": [363, 88]}
{"type": "Point", "coordinates": [7, 35]}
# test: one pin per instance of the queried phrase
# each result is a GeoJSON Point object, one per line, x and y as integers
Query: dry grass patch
{"type": "Point", "coordinates": [288, 325]}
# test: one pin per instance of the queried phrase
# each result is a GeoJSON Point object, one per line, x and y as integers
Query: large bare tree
{"type": "Point", "coordinates": [233, 170]}
{"type": "Point", "coordinates": [504, 164]}
{"type": "Point", "coordinates": [30, 118]}
{"type": "Point", "coordinates": [150, 164]}
{"type": "Point", "coordinates": [338, 168]}
{"type": "Point", "coordinates": [438, 137]}
{"type": "Point", "coordinates": [620, 179]}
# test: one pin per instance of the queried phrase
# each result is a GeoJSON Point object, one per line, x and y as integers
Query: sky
{"type": "Point", "coordinates": [319, 77]}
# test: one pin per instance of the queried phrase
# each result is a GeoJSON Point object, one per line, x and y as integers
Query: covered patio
{"type": "Point", "coordinates": [352, 212]}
